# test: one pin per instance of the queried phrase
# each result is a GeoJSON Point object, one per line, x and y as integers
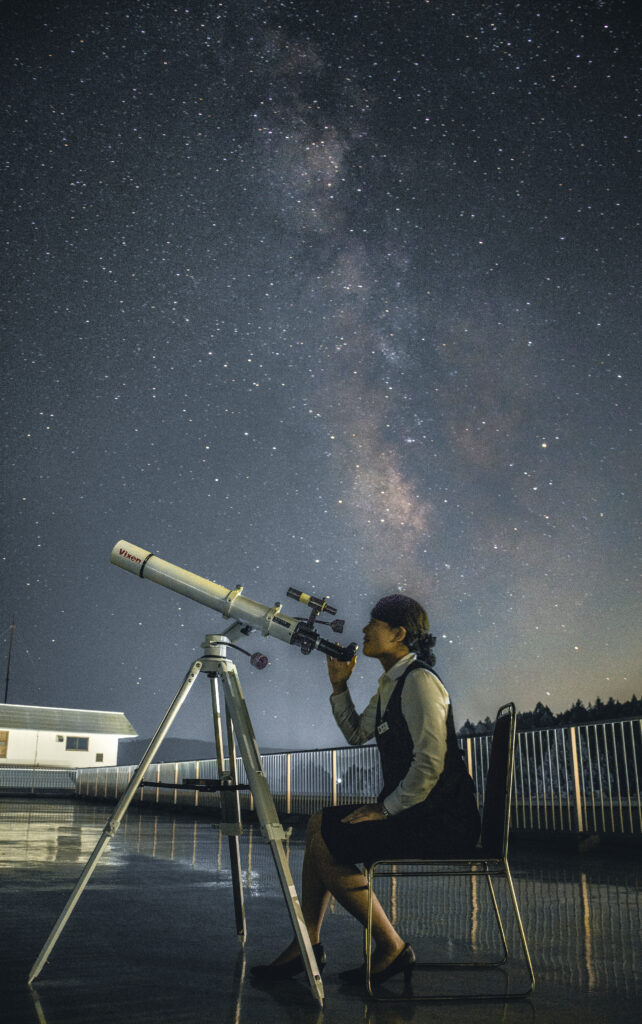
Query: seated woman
{"type": "Point", "coordinates": [427, 806]}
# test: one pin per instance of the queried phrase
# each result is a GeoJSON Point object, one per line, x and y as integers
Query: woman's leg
{"type": "Point", "coordinates": [323, 876]}
{"type": "Point", "coordinates": [315, 895]}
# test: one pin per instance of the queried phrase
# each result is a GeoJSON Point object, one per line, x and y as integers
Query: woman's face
{"type": "Point", "coordinates": [380, 638]}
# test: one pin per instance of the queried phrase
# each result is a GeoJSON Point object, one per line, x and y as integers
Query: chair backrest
{"type": "Point", "coordinates": [499, 784]}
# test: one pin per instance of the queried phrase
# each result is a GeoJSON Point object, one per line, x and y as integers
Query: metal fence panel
{"type": "Point", "coordinates": [38, 780]}
{"type": "Point", "coordinates": [579, 778]}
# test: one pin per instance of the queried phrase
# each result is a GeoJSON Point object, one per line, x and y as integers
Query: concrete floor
{"type": "Point", "coordinates": [153, 936]}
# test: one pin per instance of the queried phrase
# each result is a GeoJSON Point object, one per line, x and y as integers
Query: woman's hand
{"type": "Point", "coordinates": [368, 812]}
{"type": "Point", "coordinates": [340, 672]}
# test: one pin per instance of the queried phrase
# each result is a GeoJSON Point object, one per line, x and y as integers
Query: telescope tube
{"type": "Point", "coordinates": [230, 603]}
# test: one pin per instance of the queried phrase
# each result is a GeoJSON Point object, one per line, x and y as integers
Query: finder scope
{"type": "Point", "coordinates": [230, 603]}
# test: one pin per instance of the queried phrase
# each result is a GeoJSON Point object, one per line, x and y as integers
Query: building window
{"type": "Point", "coordinates": [4, 743]}
{"type": "Point", "coordinates": [77, 743]}
{"type": "Point", "coordinates": [99, 757]}
{"type": "Point", "coordinates": [60, 739]}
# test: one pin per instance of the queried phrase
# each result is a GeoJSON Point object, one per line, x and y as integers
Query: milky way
{"type": "Point", "coordinates": [343, 297]}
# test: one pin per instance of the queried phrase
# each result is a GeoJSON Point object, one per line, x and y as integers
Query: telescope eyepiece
{"type": "Point", "coordinates": [336, 651]}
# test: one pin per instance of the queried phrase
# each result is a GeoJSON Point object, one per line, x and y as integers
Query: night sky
{"type": "Point", "coordinates": [341, 296]}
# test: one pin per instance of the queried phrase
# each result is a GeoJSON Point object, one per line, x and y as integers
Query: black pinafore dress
{"type": "Point", "coordinates": [446, 823]}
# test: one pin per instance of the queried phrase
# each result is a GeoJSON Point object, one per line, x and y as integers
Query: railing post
{"type": "Point", "coordinates": [576, 779]}
{"type": "Point", "coordinates": [334, 778]}
{"type": "Point", "coordinates": [288, 783]}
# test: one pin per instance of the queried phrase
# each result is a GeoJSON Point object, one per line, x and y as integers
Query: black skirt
{"type": "Point", "coordinates": [412, 834]}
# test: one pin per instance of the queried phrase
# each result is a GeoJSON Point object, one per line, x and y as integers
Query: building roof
{"type": "Point", "coordinates": [66, 720]}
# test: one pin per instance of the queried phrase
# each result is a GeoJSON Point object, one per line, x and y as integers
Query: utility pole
{"type": "Point", "coordinates": [11, 632]}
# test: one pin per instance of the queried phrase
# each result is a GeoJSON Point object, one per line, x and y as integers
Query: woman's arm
{"type": "Point", "coordinates": [356, 728]}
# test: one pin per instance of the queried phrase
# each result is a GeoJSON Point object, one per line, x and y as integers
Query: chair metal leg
{"type": "Point", "coordinates": [518, 917]}
{"type": "Point", "coordinates": [498, 918]}
{"type": "Point", "coordinates": [502, 871]}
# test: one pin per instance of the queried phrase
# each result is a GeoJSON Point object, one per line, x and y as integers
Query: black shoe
{"type": "Point", "coordinates": [404, 962]}
{"type": "Point", "coordinates": [290, 969]}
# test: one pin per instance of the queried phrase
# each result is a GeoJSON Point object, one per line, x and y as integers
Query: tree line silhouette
{"type": "Point", "coordinates": [541, 717]}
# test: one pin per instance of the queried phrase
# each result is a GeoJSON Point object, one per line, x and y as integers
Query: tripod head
{"type": "Point", "coordinates": [232, 604]}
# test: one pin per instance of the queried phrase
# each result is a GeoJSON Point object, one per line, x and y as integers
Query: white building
{"type": "Point", "coordinates": [36, 737]}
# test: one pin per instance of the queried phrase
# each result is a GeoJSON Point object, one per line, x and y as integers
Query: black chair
{"type": "Point", "coordinates": [489, 860]}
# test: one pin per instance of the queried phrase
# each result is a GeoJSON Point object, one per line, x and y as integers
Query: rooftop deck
{"type": "Point", "coordinates": [153, 937]}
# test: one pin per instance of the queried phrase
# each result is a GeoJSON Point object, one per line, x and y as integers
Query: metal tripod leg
{"type": "Point", "coordinates": [112, 825]}
{"type": "Point", "coordinates": [264, 804]}
{"type": "Point", "coordinates": [230, 806]}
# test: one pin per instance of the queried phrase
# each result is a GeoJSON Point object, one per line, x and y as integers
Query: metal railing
{"type": "Point", "coordinates": [579, 778]}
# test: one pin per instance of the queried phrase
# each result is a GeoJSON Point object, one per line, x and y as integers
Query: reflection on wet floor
{"type": "Point", "coordinates": [153, 936]}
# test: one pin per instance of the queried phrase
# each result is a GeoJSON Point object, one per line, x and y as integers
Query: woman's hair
{"type": "Point", "coordinates": [399, 610]}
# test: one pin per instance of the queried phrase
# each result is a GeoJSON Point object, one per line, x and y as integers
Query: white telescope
{"type": "Point", "coordinates": [231, 603]}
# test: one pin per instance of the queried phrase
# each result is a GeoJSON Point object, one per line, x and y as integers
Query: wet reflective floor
{"type": "Point", "coordinates": [153, 937]}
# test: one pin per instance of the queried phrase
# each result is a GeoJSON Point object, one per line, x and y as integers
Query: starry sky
{"type": "Point", "coordinates": [339, 296]}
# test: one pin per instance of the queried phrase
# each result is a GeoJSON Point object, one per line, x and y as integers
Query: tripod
{"type": "Point", "coordinates": [220, 669]}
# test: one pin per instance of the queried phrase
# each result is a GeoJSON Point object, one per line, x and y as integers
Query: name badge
{"type": "Point", "coordinates": [382, 728]}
